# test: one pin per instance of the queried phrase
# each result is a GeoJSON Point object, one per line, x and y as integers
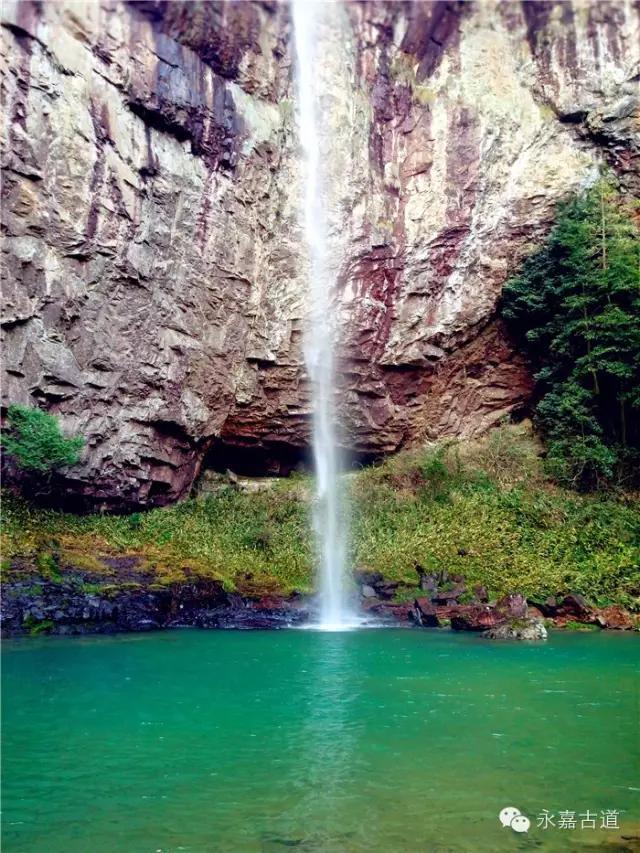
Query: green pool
{"type": "Point", "coordinates": [375, 740]}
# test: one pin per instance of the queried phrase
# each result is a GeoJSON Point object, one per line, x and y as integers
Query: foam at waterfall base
{"type": "Point", "coordinates": [353, 622]}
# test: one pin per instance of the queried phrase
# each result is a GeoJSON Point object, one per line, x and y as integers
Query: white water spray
{"type": "Point", "coordinates": [308, 19]}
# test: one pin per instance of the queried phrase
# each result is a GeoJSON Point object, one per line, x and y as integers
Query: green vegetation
{"type": "Point", "coordinates": [576, 308]}
{"type": "Point", "coordinates": [37, 626]}
{"type": "Point", "coordinates": [482, 509]}
{"type": "Point", "coordinates": [36, 442]}
{"type": "Point", "coordinates": [579, 626]}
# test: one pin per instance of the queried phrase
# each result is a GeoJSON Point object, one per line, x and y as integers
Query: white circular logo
{"type": "Point", "coordinates": [512, 817]}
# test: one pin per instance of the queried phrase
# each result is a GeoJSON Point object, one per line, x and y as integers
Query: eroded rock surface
{"type": "Point", "coordinates": [155, 293]}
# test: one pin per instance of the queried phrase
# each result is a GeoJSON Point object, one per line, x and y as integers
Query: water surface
{"type": "Point", "coordinates": [388, 740]}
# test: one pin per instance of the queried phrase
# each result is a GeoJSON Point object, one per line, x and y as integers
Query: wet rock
{"type": "Point", "coordinates": [401, 612]}
{"type": "Point", "coordinates": [424, 613]}
{"type": "Point", "coordinates": [517, 629]}
{"type": "Point", "coordinates": [64, 608]}
{"type": "Point", "coordinates": [368, 591]}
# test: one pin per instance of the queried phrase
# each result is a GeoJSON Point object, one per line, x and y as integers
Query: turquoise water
{"type": "Point", "coordinates": [387, 740]}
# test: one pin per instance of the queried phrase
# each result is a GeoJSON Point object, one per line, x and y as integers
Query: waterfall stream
{"type": "Point", "coordinates": [309, 18]}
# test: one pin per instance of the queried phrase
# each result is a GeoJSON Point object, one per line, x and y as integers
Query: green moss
{"type": "Point", "coordinates": [423, 95]}
{"type": "Point", "coordinates": [91, 588]}
{"type": "Point", "coordinates": [407, 594]}
{"type": "Point", "coordinates": [403, 73]}
{"type": "Point", "coordinates": [47, 565]}
{"type": "Point", "coordinates": [579, 626]}
{"type": "Point", "coordinates": [37, 626]}
{"type": "Point", "coordinates": [35, 440]}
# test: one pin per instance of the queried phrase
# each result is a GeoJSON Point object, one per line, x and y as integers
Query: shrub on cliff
{"type": "Point", "coordinates": [575, 306]}
{"type": "Point", "coordinates": [34, 439]}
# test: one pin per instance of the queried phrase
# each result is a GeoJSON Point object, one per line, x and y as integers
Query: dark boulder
{"type": "Point", "coordinates": [424, 613]}
{"type": "Point", "coordinates": [364, 576]}
{"type": "Point", "coordinates": [373, 584]}
{"type": "Point", "coordinates": [574, 604]}
{"type": "Point", "coordinates": [68, 607]}
{"type": "Point", "coordinates": [548, 606]}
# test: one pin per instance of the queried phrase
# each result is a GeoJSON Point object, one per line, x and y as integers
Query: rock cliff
{"type": "Point", "coordinates": [155, 292]}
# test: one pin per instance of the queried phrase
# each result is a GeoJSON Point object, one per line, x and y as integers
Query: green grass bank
{"type": "Point", "coordinates": [481, 509]}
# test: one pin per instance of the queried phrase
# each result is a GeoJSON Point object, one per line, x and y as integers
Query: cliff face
{"type": "Point", "coordinates": [155, 293]}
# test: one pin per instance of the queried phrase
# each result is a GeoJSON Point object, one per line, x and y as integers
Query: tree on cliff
{"type": "Point", "coordinates": [575, 307]}
{"type": "Point", "coordinates": [34, 439]}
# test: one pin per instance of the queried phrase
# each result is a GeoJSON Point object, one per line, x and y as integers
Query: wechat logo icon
{"type": "Point", "coordinates": [512, 817]}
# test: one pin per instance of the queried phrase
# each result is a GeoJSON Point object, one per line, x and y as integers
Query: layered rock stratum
{"type": "Point", "coordinates": [155, 269]}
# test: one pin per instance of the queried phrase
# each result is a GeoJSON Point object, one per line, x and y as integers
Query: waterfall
{"type": "Point", "coordinates": [329, 510]}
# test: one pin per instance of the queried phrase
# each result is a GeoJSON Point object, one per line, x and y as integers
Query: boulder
{"type": "Point", "coordinates": [513, 606]}
{"type": "Point", "coordinates": [392, 611]}
{"type": "Point", "coordinates": [517, 629]}
{"type": "Point", "coordinates": [474, 617]}
{"type": "Point", "coordinates": [364, 576]}
{"type": "Point", "coordinates": [426, 582]}
{"type": "Point", "coordinates": [424, 613]}
{"type": "Point", "coordinates": [481, 593]}
{"type": "Point", "coordinates": [548, 607]}
{"type": "Point", "coordinates": [574, 604]}
{"type": "Point", "coordinates": [447, 596]}
{"type": "Point", "coordinates": [615, 618]}
{"type": "Point", "coordinates": [373, 584]}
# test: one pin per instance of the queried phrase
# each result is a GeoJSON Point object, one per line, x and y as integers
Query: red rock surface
{"type": "Point", "coordinates": [156, 293]}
